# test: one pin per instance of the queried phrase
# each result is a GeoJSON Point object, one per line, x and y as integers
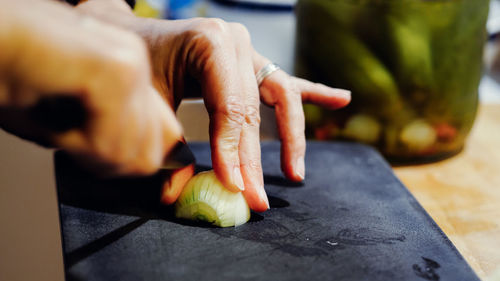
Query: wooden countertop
{"type": "Point", "coordinates": [462, 194]}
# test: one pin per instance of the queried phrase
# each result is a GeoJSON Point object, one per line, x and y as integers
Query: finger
{"type": "Point", "coordinates": [176, 180]}
{"type": "Point", "coordinates": [130, 141]}
{"type": "Point", "coordinates": [291, 126]}
{"type": "Point", "coordinates": [128, 135]}
{"type": "Point", "coordinates": [322, 95]}
{"type": "Point", "coordinates": [73, 140]}
{"type": "Point", "coordinates": [213, 58]}
{"type": "Point", "coordinates": [249, 148]}
{"type": "Point", "coordinates": [280, 91]}
{"type": "Point", "coordinates": [162, 132]}
{"type": "Point", "coordinates": [171, 129]}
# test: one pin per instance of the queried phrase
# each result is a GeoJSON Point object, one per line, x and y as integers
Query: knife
{"type": "Point", "coordinates": [180, 156]}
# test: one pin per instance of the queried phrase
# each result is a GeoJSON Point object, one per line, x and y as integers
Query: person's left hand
{"type": "Point", "coordinates": [215, 59]}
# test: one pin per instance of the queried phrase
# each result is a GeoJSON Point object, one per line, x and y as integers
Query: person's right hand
{"type": "Point", "coordinates": [49, 50]}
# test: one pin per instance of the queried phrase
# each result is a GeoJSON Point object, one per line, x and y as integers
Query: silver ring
{"type": "Point", "coordinates": [266, 71]}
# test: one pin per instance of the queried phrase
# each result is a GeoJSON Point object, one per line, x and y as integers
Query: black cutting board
{"type": "Point", "coordinates": [352, 219]}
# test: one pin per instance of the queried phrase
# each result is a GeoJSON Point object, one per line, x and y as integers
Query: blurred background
{"type": "Point", "coordinates": [30, 246]}
{"type": "Point", "coordinates": [439, 107]}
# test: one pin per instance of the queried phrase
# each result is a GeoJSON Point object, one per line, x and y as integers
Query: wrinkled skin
{"type": "Point", "coordinates": [215, 60]}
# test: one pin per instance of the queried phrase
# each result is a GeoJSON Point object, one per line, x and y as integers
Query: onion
{"type": "Point", "coordinates": [204, 198]}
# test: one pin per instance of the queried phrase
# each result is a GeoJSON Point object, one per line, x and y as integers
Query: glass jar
{"type": "Point", "coordinates": [413, 67]}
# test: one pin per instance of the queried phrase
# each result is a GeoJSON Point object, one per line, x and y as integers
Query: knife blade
{"type": "Point", "coordinates": [180, 156]}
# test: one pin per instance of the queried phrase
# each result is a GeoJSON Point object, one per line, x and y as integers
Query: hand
{"type": "Point", "coordinates": [50, 50]}
{"type": "Point", "coordinates": [215, 59]}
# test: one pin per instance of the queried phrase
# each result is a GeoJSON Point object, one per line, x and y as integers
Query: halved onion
{"type": "Point", "coordinates": [204, 198]}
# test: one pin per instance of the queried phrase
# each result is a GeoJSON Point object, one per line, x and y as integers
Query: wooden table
{"type": "Point", "coordinates": [462, 194]}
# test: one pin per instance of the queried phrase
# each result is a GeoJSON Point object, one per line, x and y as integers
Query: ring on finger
{"type": "Point", "coordinates": [265, 71]}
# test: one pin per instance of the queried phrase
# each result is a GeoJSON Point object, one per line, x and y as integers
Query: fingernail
{"type": "Point", "coordinates": [237, 179]}
{"type": "Point", "coordinates": [346, 92]}
{"type": "Point", "coordinates": [300, 168]}
{"type": "Point", "coordinates": [263, 196]}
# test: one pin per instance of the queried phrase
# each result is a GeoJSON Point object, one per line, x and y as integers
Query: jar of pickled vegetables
{"type": "Point", "coordinates": [413, 67]}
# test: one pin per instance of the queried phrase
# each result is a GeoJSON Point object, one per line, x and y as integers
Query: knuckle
{"type": "Point", "coordinates": [224, 146]}
{"type": "Point", "coordinates": [253, 164]}
{"type": "Point", "coordinates": [209, 28]}
{"type": "Point", "coordinates": [207, 34]}
{"type": "Point", "coordinates": [233, 110]}
{"type": "Point", "coordinates": [214, 25]}
{"type": "Point", "coordinates": [228, 146]}
{"type": "Point", "coordinates": [242, 32]}
{"type": "Point", "coordinates": [252, 115]}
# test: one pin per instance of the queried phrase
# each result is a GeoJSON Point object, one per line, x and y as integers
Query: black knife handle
{"type": "Point", "coordinates": [59, 113]}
